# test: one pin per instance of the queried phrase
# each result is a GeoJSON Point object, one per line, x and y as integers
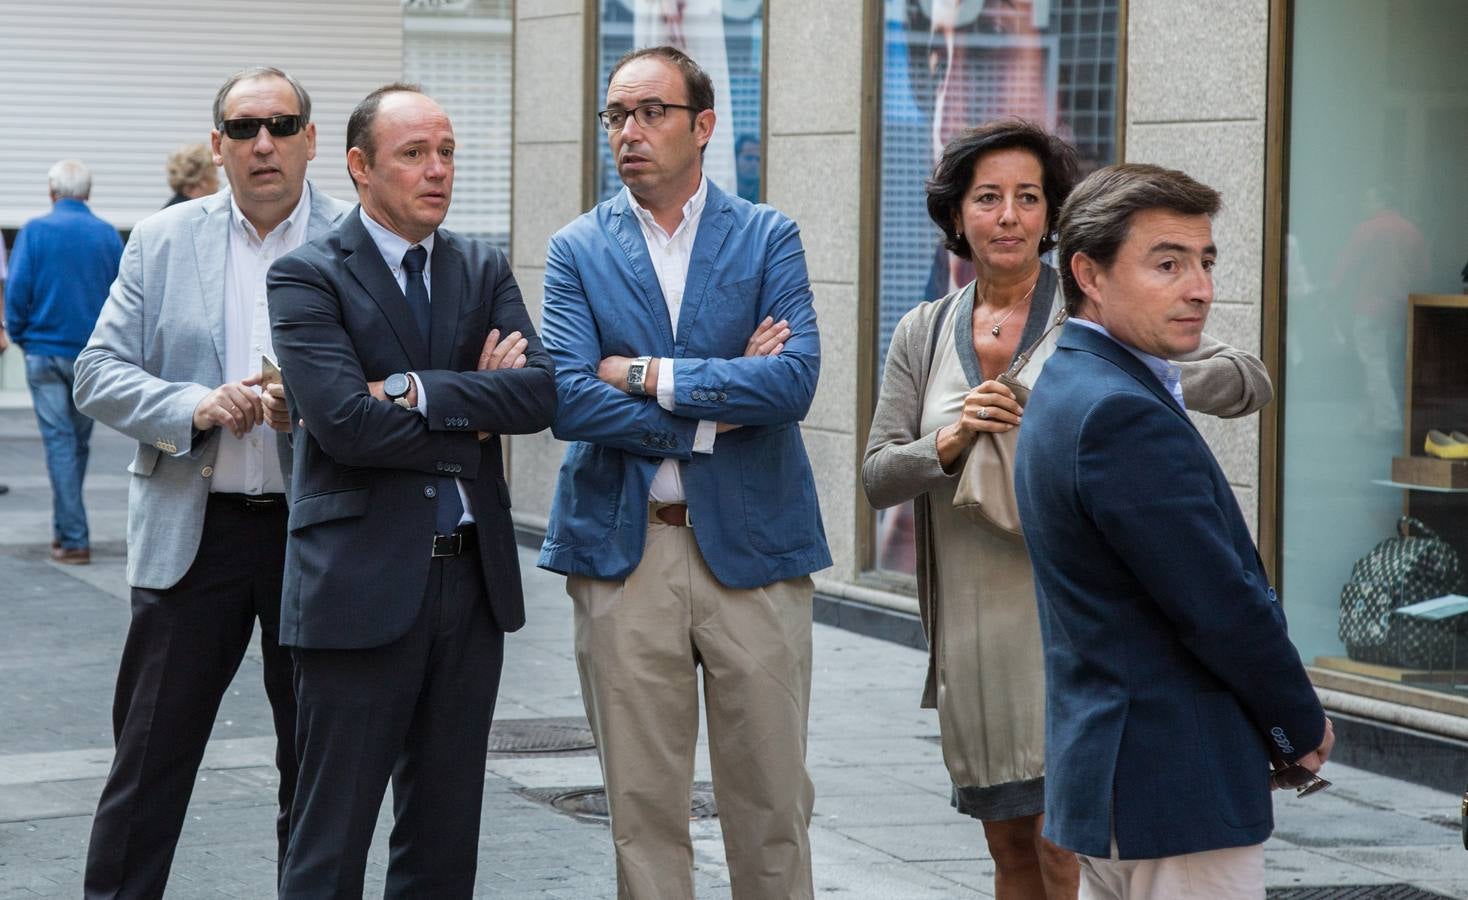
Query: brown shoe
{"type": "Point", "coordinates": [71, 556]}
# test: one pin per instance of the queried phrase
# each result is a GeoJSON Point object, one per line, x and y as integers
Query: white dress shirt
{"type": "Point", "coordinates": [249, 465]}
{"type": "Point", "coordinates": [392, 247]}
{"type": "Point", "coordinates": [670, 257]}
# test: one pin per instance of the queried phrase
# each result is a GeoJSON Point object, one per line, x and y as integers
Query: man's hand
{"type": "Point", "coordinates": [506, 354]}
{"type": "Point", "coordinates": [375, 389]}
{"type": "Point", "coordinates": [501, 354]}
{"type": "Point", "coordinates": [4, 339]}
{"type": "Point", "coordinates": [277, 416]}
{"type": "Point", "coordinates": [1316, 758]}
{"type": "Point", "coordinates": [768, 339]}
{"type": "Point", "coordinates": [232, 405]}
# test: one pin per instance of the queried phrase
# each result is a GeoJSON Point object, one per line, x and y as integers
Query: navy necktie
{"type": "Point", "coordinates": [450, 508]}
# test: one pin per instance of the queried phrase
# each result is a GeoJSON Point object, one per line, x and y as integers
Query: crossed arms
{"type": "Point", "coordinates": [772, 383]}
{"type": "Point", "coordinates": [331, 394]}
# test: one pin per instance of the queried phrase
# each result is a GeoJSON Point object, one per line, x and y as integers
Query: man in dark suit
{"type": "Point", "coordinates": [1170, 680]}
{"type": "Point", "coordinates": [406, 352]}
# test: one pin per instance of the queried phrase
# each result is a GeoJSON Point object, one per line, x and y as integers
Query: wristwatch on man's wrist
{"type": "Point", "coordinates": [637, 376]}
{"type": "Point", "coordinates": [396, 387]}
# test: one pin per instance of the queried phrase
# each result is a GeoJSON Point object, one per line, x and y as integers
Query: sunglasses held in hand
{"type": "Point", "coordinates": [247, 128]}
{"type": "Point", "coordinates": [1304, 781]}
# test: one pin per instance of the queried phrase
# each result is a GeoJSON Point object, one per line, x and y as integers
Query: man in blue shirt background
{"type": "Point", "coordinates": [60, 271]}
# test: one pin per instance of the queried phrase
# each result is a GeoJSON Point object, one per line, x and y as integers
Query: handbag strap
{"type": "Point", "coordinates": [1407, 526]}
{"type": "Point", "coordinates": [1024, 357]}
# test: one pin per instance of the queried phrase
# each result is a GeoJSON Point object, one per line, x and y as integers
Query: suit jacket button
{"type": "Point", "coordinates": [430, 491]}
{"type": "Point", "coordinates": [207, 471]}
{"type": "Point", "coordinates": [723, 396]}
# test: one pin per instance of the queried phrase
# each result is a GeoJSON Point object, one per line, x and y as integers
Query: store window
{"type": "Point", "coordinates": [948, 65]}
{"type": "Point", "coordinates": [1376, 338]}
{"type": "Point", "coordinates": [726, 38]}
{"type": "Point", "coordinates": [460, 52]}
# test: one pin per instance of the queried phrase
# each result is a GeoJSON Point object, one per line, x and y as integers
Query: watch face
{"type": "Point", "coordinates": [395, 386]}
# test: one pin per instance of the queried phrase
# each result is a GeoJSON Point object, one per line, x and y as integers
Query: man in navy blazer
{"type": "Point", "coordinates": [1171, 683]}
{"type": "Point", "coordinates": [682, 328]}
{"type": "Point", "coordinates": [406, 351]}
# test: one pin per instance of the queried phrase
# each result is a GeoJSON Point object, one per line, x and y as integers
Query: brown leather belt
{"type": "Point", "coordinates": [670, 513]}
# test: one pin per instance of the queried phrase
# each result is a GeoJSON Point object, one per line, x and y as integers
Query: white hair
{"type": "Point", "coordinates": [70, 178]}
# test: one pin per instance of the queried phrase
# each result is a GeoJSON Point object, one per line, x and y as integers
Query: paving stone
{"type": "Point", "coordinates": [883, 828]}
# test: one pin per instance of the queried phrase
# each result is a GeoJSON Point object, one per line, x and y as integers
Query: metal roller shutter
{"type": "Point", "coordinates": [119, 85]}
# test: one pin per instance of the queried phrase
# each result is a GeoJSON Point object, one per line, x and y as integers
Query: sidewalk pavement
{"type": "Point", "coordinates": [883, 828]}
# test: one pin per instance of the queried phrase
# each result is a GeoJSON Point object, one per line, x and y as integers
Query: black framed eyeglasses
{"type": "Point", "coordinates": [1304, 781]}
{"type": "Point", "coordinates": [648, 115]}
{"type": "Point", "coordinates": [245, 129]}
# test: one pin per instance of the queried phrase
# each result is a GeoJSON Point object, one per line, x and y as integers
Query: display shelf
{"type": "Point", "coordinates": [1387, 482]}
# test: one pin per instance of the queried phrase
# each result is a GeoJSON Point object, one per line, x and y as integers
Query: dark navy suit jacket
{"type": "Point", "coordinates": [752, 501]}
{"type": "Point", "coordinates": [1170, 680]}
{"type": "Point", "coordinates": [367, 472]}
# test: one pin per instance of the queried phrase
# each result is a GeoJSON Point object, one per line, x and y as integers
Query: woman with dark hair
{"type": "Point", "coordinates": [952, 399]}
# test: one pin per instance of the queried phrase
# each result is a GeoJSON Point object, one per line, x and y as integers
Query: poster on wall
{"type": "Point", "coordinates": [948, 65]}
{"type": "Point", "coordinates": [725, 37]}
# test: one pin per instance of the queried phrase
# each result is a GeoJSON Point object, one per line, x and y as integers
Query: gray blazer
{"type": "Point", "coordinates": [158, 348]}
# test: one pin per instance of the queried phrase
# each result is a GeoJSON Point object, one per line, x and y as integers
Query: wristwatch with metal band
{"type": "Point", "coordinates": [637, 376]}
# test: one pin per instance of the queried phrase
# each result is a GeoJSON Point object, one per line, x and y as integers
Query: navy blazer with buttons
{"type": "Point", "coordinates": [752, 502]}
{"type": "Point", "coordinates": [367, 472]}
{"type": "Point", "coordinates": [1170, 679]}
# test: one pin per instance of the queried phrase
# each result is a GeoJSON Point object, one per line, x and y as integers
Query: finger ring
{"type": "Point", "coordinates": [983, 412]}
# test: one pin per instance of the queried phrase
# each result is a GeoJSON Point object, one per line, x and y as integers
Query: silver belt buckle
{"type": "Point", "coordinates": [447, 544]}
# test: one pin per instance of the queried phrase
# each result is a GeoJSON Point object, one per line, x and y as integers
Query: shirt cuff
{"type": "Point", "coordinates": [703, 438]}
{"type": "Point", "coordinates": [422, 406]}
{"type": "Point", "coordinates": [666, 398]}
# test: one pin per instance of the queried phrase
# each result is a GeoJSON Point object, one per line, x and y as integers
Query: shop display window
{"type": "Point", "coordinates": [948, 65]}
{"type": "Point", "coordinates": [726, 38]}
{"type": "Point", "coordinates": [1373, 476]}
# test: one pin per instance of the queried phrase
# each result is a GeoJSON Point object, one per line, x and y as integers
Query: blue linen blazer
{"type": "Point", "coordinates": [1170, 679]}
{"type": "Point", "coordinates": [752, 502]}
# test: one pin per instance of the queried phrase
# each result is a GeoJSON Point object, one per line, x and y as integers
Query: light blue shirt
{"type": "Point", "coordinates": [1167, 372]}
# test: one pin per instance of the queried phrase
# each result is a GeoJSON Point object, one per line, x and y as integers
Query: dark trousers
{"type": "Point", "coordinates": [183, 649]}
{"type": "Point", "coordinates": [416, 711]}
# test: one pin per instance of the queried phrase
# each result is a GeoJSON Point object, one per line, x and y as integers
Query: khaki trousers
{"type": "Point", "coordinates": [639, 644]}
{"type": "Point", "coordinates": [1235, 873]}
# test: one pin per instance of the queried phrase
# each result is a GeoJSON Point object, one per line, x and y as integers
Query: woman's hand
{"type": "Point", "coordinates": [989, 407]}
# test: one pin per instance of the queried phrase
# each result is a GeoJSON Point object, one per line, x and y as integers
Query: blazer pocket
{"type": "Point", "coordinates": [314, 509]}
{"type": "Point", "coordinates": [144, 460]}
{"type": "Point", "coordinates": [1235, 759]}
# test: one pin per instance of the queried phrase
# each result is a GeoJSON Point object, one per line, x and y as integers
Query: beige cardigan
{"type": "Point", "coordinates": [902, 465]}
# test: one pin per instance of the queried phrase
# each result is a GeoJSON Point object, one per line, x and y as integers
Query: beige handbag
{"type": "Point", "coordinates": [985, 490]}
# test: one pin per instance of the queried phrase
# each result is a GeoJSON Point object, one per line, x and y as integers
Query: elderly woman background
{"type": "Point", "coordinates": [191, 173]}
{"type": "Point", "coordinates": [996, 194]}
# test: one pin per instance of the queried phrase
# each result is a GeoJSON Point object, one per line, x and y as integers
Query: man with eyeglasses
{"type": "Point", "coordinates": [681, 322]}
{"type": "Point", "coordinates": [175, 362]}
{"type": "Point", "coordinates": [1174, 699]}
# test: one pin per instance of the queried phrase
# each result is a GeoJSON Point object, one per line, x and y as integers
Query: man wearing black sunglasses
{"type": "Point", "coordinates": [175, 362]}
